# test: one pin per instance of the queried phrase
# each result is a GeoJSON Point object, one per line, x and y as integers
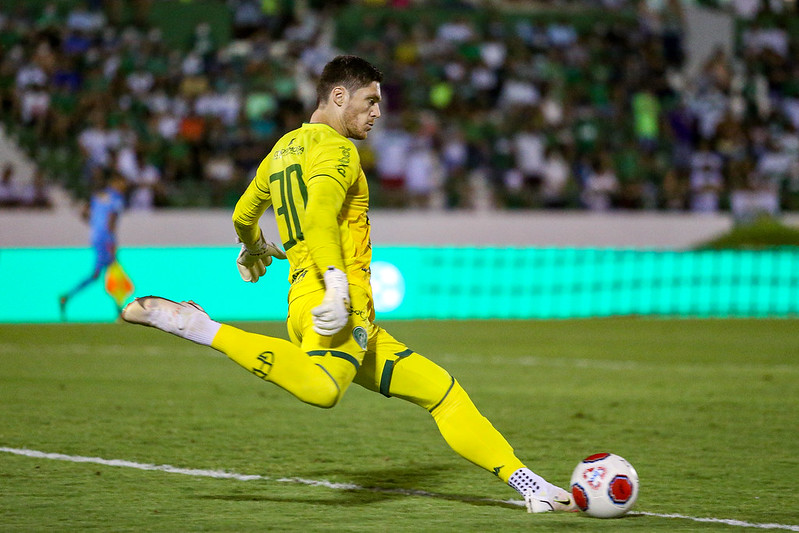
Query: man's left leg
{"type": "Point", "coordinates": [394, 370]}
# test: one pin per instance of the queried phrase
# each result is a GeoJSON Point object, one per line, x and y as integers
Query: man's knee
{"type": "Point", "coordinates": [323, 392]}
{"type": "Point", "coordinates": [335, 371]}
{"type": "Point", "coordinates": [323, 399]}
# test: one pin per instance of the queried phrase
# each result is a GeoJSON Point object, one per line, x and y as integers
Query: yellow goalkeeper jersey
{"type": "Point", "coordinates": [314, 181]}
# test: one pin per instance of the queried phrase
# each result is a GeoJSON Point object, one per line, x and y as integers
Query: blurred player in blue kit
{"type": "Point", "coordinates": [102, 213]}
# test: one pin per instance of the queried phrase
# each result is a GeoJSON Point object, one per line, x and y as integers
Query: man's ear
{"type": "Point", "coordinates": [338, 95]}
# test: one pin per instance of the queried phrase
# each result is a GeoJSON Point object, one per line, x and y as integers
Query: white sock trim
{"type": "Point", "coordinates": [203, 330]}
{"type": "Point", "coordinates": [527, 482]}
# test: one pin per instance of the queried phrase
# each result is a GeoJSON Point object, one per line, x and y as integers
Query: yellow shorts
{"type": "Point", "coordinates": [376, 360]}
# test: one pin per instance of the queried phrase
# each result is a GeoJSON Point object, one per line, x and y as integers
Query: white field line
{"type": "Point", "coordinates": [222, 474]}
{"type": "Point", "coordinates": [108, 349]}
{"type": "Point", "coordinates": [725, 521]}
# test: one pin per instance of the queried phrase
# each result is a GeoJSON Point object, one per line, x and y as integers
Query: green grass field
{"type": "Point", "coordinates": [707, 411]}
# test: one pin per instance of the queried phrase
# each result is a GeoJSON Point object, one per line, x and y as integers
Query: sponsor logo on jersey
{"type": "Point", "coordinates": [289, 150]}
{"type": "Point", "coordinates": [343, 161]}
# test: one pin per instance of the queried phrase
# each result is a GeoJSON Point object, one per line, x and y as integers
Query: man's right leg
{"type": "Point", "coordinates": [284, 364]}
{"type": "Point", "coordinates": [319, 381]}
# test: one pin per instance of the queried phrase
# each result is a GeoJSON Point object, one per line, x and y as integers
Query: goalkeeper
{"type": "Point", "coordinates": [313, 180]}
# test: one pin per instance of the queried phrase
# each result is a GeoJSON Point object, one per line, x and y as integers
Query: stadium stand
{"type": "Point", "coordinates": [563, 106]}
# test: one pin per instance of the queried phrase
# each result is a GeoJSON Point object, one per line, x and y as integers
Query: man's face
{"type": "Point", "coordinates": [361, 110]}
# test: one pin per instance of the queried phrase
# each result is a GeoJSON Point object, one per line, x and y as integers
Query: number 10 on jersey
{"type": "Point", "coordinates": [289, 182]}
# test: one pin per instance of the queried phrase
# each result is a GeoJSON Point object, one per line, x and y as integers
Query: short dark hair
{"type": "Point", "coordinates": [352, 72]}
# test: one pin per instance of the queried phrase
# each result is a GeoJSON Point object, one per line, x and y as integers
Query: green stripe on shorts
{"type": "Point", "coordinates": [388, 371]}
{"type": "Point", "coordinates": [340, 355]}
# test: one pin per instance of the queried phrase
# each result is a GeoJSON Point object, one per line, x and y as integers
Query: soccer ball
{"type": "Point", "coordinates": [604, 485]}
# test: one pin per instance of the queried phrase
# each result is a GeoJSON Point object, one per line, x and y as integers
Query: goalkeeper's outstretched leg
{"type": "Point", "coordinates": [270, 358]}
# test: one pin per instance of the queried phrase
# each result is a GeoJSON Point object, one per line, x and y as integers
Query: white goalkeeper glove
{"type": "Point", "coordinates": [253, 260]}
{"type": "Point", "coordinates": [334, 311]}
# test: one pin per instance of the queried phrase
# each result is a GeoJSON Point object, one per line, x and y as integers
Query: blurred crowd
{"type": "Point", "coordinates": [480, 110]}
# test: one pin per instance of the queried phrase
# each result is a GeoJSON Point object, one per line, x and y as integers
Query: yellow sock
{"type": "Point", "coordinates": [282, 363]}
{"type": "Point", "coordinates": [471, 434]}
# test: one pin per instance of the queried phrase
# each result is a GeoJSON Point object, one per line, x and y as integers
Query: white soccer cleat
{"type": "Point", "coordinates": [184, 319]}
{"type": "Point", "coordinates": [540, 496]}
{"type": "Point", "coordinates": [548, 500]}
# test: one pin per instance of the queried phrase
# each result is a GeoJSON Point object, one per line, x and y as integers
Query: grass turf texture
{"type": "Point", "coordinates": [761, 234]}
{"type": "Point", "coordinates": [706, 410]}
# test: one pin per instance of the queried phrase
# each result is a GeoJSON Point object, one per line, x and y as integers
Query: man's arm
{"type": "Point", "coordinates": [321, 227]}
{"type": "Point", "coordinates": [252, 204]}
{"type": "Point", "coordinates": [325, 199]}
{"type": "Point", "coordinates": [256, 253]}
